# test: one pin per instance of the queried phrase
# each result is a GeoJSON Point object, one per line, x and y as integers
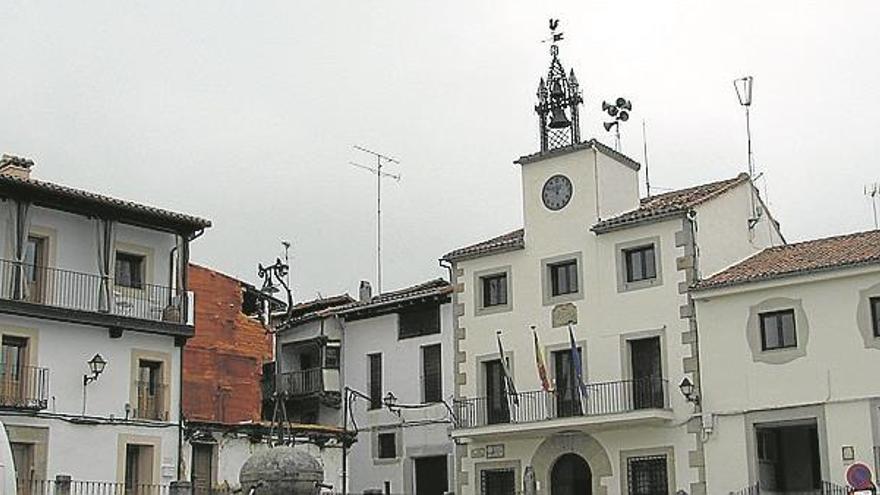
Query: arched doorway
{"type": "Point", "coordinates": [571, 476]}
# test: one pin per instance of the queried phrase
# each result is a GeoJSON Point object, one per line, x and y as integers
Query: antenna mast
{"type": "Point", "coordinates": [381, 160]}
{"type": "Point", "coordinates": [645, 151]}
{"type": "Point", "coordinates": [873, 192]}
{"type": "Point", "coordinates": [743, 88]}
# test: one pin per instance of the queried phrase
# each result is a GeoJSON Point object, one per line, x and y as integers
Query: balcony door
{"type": "Point", "coordinates": [647, 373]}
{"type": "Point", "coordinates": [13, 371]}
{"type": "Point", "coordinates": [568, 395]}
{"type": "Point", "coordinates": [150, 390]}
{"type": "Point", "coordinates": [35, 268]}
{"type": "Point", "coordinates": [497, 408]}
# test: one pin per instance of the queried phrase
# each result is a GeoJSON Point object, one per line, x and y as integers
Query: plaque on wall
{"type": "Point", "coordinates": [477, 453]}
{"type": "Point", "coordinates": [495, 451]}
{"type": "Point", "coordinates": [563, 314]}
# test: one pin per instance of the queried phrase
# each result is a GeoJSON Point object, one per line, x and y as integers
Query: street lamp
{"type": "Point", "coordinates": [689, 391]}
{"type": "Point", "coordinates": [96, 366]}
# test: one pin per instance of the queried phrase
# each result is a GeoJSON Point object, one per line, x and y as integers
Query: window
{"type": "Point", "coordinates": [387, 446]}
{"type": "Point", "coordinates": [778, 330]}
{"type": "Point", "coordinates": [640, 263]}
{"type": "Point", "coordinates": [331, 357]}
{"type": "Point", "coordinates": [418, 321]}
{"type": "Point", "coordinates": [432, 378]}
{"type": "Point", "coordinates": [874, 302]}
{"type": "Point", "coordinates": [494, 290]}
{"type": "Point", "coordinates": [375, 363]}
{"type": "Point", "coordinates": [497, 482]}
{"type": "Point", "coordinates": [563, 278]}
{"type": "Point", "coordinates": [150, 390]}
{"type": "Point", "coordinates": [129, 270]}
{"type": "Point", "coordinates": [647, 475]}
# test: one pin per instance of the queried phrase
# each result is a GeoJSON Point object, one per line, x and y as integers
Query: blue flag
{"type": "Point", "coordinates": [577, 360]}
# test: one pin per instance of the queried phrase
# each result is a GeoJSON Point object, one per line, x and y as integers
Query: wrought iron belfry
{"type": "Point", "coordinates": [558, 99]}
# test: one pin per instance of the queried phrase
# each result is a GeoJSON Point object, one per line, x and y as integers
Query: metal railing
{"type": "Point", "coordinates": [57, 487]}
{"type": "Point", "coordinates": [24, 387]}
{"type": "Point", "coordinates": [826, 488]}
{"type": "Point", "coordinates": [83, 291]}
{"type": "Point", "coordinates": [601, 399]}
{"type": "Point", "coordinates": [150, 401]}
{"type": "Point", "coordinates": [302, 382]}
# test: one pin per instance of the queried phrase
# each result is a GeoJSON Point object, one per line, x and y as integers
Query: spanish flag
{"type": "Point", "coordinates": [539, 361]}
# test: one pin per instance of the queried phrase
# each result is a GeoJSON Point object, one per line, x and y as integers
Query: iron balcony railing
{"type": "Point", "coordinates": [528, 407]}
{"type": "Point", "coordinates": [24, 387]}
{"type": "Point", "coordinates": [302, 382]}
{"type": "Point", "coordinates": [825, 488]}
{"type": "Point", "coordinates": [89, 292]}
{"type": "Point", "coordinates": [151, 401]}
{"type": "Point", "coordinates": [73, 487]}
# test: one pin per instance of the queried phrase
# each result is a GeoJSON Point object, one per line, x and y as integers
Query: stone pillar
{"type": "Point", "coordinates": [180, 488]}
{"type": "Point", "coordinates": [62, 484]}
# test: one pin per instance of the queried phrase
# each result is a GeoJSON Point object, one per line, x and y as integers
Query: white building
{"type": "Point", "coordinates": [398, 346]}
{"type": "Point", "coordinates": [618, 267]}
{"type": "Point", "coordinates": [390, 355]}
{"type": "Point", "coordinates": [789, 343]}
{"type": "Point", "coordinates": [84, 275]}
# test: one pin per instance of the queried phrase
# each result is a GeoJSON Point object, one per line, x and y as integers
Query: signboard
{"type": "Point", "coordinates": [858, 476]}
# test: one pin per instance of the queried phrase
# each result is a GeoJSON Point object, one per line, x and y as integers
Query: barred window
{"type": "Point", "coordinates": [497, 482]}
{"type": "Point", "coordinates": [647, 475]}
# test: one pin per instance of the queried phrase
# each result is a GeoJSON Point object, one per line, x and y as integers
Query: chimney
{"type": "Point", "coordinates": [365, 291]}
{"type": "Point", "coordinates": [16, 166]}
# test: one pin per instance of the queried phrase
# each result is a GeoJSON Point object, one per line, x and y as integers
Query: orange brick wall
{"type": "Point", "coordinates": [222, 364]}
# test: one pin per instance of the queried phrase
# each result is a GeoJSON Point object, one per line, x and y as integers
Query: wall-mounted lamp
{"type": "Point", "coordinates": [96, 366]}
{"type": "Point", "coordinates": [689, 391]}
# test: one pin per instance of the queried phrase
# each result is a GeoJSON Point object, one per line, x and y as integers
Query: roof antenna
{"type": "Point", "coordinates": [743, 88]}
{"type": "Point", "coordinates": [645, 153]}
{"type": "Point", "coordinates": [381, 160]}
{"type": "Point", "coordinates": [873, 192]}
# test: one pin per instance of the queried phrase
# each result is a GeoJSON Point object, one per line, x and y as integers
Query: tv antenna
{"type": "Point", "coordinates": [381, 161]}
{"type": "Point", "coordinates": [619, 112]}
{"type": "Point", "coordinates": [645, 151]}
{"type": "Point", "coordinates": [873, 192]}
{"type": "Point", "coordinates": [743, 88]}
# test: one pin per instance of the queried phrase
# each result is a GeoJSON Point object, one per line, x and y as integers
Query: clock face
{"type": "Point", "coordinates": [557, 192]}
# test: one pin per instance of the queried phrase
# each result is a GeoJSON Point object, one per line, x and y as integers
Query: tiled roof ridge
{"type": "Point", "coordinates": [512, 239]}
{"type": "Point", "coordinates": [799, 261]}
{"type": "Point", "coordinates": [103, 198]}
{"type": "Point", "coordinates": [438, 285]}
{"type": "Point", "coordinates": [670, 203]}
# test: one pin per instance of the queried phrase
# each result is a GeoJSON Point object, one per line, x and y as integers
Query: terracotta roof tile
{"type": "Point", "coordinates": [507, 242]}
{"type": "Point", "coordinates": [32, 187]}
{"type": "Point", "coordinates": [669, 204]}
{"type": "Point", "coordinates": [800, 258]}
{"type": "Point", "coordinates": [435, 287]}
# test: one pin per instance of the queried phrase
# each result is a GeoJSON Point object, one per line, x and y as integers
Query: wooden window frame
{"type": "Point", "coordinates": [778, 327]}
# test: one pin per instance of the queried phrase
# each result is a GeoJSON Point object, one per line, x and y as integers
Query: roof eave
{"type": "Point", "coordinates": [483, 254]}
{"type": "Point", "coordinates": [591, 144]}
{"type": "Point", "coordinates": [600, 229]}
{"type": "Point", "coordinates": [703, 289]}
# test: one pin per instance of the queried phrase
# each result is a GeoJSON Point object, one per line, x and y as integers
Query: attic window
{"type": "Point", "coordinates": [420, 320]}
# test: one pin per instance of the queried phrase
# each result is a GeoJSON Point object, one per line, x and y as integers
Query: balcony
{"type": "Point", "coordinates": [825, 488]}
{"type": "Point", "coordinates": [68, 295]}
{"type": "Point", "coordinates": [150, 401]}
{"type": "Point", "coordinates": [302, 382]}
{"type": "Point", "coordinates": [623, 402]}
{"type": "Point", "coordinates": [24, 387]}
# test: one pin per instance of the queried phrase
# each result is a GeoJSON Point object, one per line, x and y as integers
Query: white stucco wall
{"type": "Point", "coordinates": [834, 378]}
{"type": "Point", "coordinates": [90, 451]}
{"type": "Point", "coordinates": [422, 432]}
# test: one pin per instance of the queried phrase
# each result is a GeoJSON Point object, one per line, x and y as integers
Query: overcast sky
{"type": "Point", "coordinates": [245, 113]}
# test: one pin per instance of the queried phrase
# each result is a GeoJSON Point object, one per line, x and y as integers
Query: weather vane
{"type": "Point", "coordinates": [619, 112]}
{"type": "Point", "coordinates": [558, 99]}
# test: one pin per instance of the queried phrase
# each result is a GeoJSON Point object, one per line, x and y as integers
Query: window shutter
{"type": "Point", "coordinates": [432, 377]}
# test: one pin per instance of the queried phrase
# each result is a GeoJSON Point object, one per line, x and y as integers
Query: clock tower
{"type": "Point", "coordinates": [558, 99]}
